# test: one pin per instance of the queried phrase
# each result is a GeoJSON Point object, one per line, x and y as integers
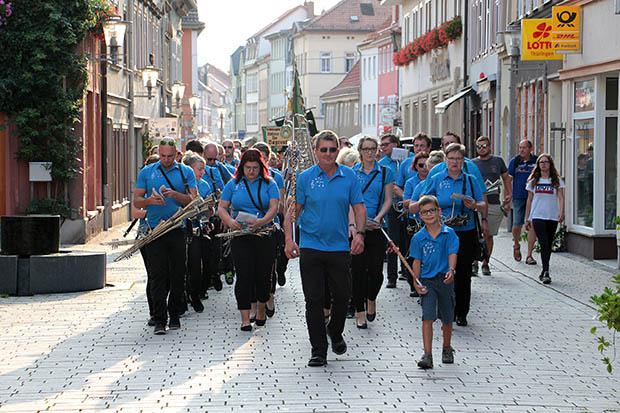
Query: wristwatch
{"type": "Point", "coordinates": [362, 233]}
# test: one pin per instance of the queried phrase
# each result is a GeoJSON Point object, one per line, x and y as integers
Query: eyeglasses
{"type": "Point", "coordinates": [455, 159]}
{"type": "Point", "coordinates": [368, 149]}
{"type": "Point", "coordinates": [482, 146]}
{"type": "Point", "coordinates": [384, 144]}
{"type": "Point", "coordinates": [228, 147]}
{"type": "Point", "coordinates": [210, 159]}
{"type": "Point", "coordinates": [330, 150]}
{"type": "Point", "coordinates": [428, 212]}
{"type": "Point", "coordinates": [422, 165]}
{"type": "Point", "coordinates": [170, 142]}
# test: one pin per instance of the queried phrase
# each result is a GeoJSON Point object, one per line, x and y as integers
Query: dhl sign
{"type": "Point", "coordinates": [566, 31]}
{"type": "Point", "coordinates": [536, 40]}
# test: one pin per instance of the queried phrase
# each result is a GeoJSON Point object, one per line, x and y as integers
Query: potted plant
{"type": "Point", "coordinates": [617, 220]}
{"type": "Point", "coordinates": [608, 309]}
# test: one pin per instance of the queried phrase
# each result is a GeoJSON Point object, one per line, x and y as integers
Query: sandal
{"type": "Point", "coordinates": [530, 260]}
{"type": "Point", "coordinates": [516, 253]}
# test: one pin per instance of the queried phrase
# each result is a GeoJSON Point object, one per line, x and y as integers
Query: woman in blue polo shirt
{"type": "Point", "coordinates": [377, 183]}
{"type": "Point", "coordinates": [198, 249]}
{"type": "Point", "coordinates": [459, 194]}
{"type": "Point", "coordinates": [253, 198]}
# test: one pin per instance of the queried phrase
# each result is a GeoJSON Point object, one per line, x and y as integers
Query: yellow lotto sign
{"type": "Point", "coordinates": [566, 32]}
{"type": "Point", "coordinates": [536, 41]}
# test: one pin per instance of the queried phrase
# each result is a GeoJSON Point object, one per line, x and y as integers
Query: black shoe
{"type": "Point", "coordinates": [260, 323]}
{"type": "Point", "coordinates": [159, 329]}
{"type": "Point", "coordinates": [197, 305]}
{"type": "Point", "coordinates": [350, 312]}
{"type": "Point", "coordinates": [246, 328]}
{"type": "Point", "coordinates": [151, 322]}
{"type": "Point", "coordinates": [402, 277]}
{"type": "Point", "coordinates": [362, 326]}
{"type": "Point", "coordinates": [317, 361]}
{"type": "Point", "coordinates": [546, 279]}
{"type": "Point", "coordinates": [339, 347]}
{"type": "Point", "coordinates": [461, 321]}
{"type": "Point", "coordinates": [217, 282]}
{"type": "Point", "coordinates": [371, 317]}
{"type": "Point", "coordinates": [253, 319]}
{"type": "Point", "coordinates": [269, 312]}
{"type": "Point", "coordinates": [183, 313]}
{"type": "Point", "coordinates": [391, 284]}
{"type": "Point", "coordinates": [281, 279]}
{"type": "Point", "coordinates": [174, 324]}
{"type": "Point", "coordinates": [414, 293]}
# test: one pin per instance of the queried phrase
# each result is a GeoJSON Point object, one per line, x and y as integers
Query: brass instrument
{"type": "Point", "coordinates": [196, 207]}
{"type": "Point", "coordinates": [263, 231]}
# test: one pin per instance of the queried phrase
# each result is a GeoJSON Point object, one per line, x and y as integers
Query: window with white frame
{"type": "Point", "coordinates": [406, 29]}
{"type": "Point", "coordinates": [457, 8]}
{"type": "Point", "coordinates": [326, 62]}
{"type": "Point", "coordinates": [487, 24]}
{"type": "Point", "coordinates": [251, 113]}
{"type": "Point", "coordinates": [251, 83]}
{"type": "Point", "coordinates": [428, 15]}
{"type": "Point", "coordinates": [380, 52]}
{"type": "Point", "coordinates": [374, 67]}
{"type": "Point", "coordinates": [349, 61]}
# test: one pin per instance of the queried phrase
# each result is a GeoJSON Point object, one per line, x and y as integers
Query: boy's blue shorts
{"type": "Point", "coordinates": [438, 302]}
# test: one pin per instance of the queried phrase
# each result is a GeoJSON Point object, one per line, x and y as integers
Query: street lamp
{"type": "Point", "coordinates": [149, 79]}
{"type": "Point", "coordinates": [194, 103]}
{"type": "Point", "coordinates": [221, 112]}
{"type": "Point", "coordinates": [114, 33]}
{"type": "Point", "coordinates": [178, 91]}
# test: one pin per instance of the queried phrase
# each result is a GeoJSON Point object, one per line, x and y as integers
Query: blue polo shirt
{"type": "Point", "coordinates": [410, 186]}
{"type": "Point", "coordinates": [373, 196]}
{"type": "Point", "coordinates": [443, 186]}
{"type": "Point", "coordinates": [405, 172]}
{"type": "Point", "coordinates": [224, 171]}
{"type": "Point", "coordinates": [520, 174]}
{"type": "Point", "coordinates": [237, 194]}
{"type": "Point", "coordinates": [234, 164]}
{"type": "Point", "coordinates": [277, 176]}
{"type": "Point", "coordinates": [204, 188]}
{"type": "Point", "coordinates": [213, 176]}
{"type": "Point", "coordinates": [391, 164]}
{"type": "Point", "coordinates": [469, 167]}
{"type": "Point", "coordinates": [151, 177]}
{"type": "Point", "coordinates": [324, 220]}
{"type": "Point", "coordinates": [231, 169]}
{"type": "Point", "coordinates": [432, 252]}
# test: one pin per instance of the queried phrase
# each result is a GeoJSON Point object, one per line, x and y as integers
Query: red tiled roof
{"type": "Point", "coordinates": [338, 18]}
{"type": "Point", "coordinates": [348, 86]}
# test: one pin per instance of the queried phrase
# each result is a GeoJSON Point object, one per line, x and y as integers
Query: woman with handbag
{"type": "Point", "coordinates": [544, 208]}
{"type": "Point", "coordinates": [377, 183]}
{"type": "Point", "coordinates": [253, 198]}
{"type": "Point", "coordinates": [460, 197]}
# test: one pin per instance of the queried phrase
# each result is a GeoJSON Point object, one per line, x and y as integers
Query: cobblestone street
{"type": "Point", "coordinates": [527, 348]}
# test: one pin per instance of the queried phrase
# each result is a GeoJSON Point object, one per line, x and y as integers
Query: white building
{"type": "Point", "coordinates": [369, 90]}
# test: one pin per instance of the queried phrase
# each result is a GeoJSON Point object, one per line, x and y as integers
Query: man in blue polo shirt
{"type": "Point", "coordinates": [231, 162]}
{"type": "Point", "coordinates": [218, 173]}
{"type": "Point", "coordinates": [162, 188]}
{"type": "Point", "coordinates": [325, 192]}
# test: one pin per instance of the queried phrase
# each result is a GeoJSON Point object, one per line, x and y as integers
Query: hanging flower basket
{"type": "Point", "coordinates": [102, 11]}
{"type": "Point", "coordinates": [438, 37]}
{"type": "Point", "coordinates": [5, 11]}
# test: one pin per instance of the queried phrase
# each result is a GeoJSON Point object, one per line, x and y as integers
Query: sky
{"type": "Point", "coordinates": [229, 23]}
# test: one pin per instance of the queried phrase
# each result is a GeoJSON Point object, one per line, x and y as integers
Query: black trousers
{"type": "Point", "coordinates": [367, 269]}
{"type": "Point", "coordinates": [280, 259]}
{"type": "Point", "coordinates": [198, 254]}
{"type": "Point", "coordinates": [394, 231]}
{"type": "Point", "coordinates": [545, 231]}
{"type": "Point", "coordinates": [149, 300]}
{"type": "Point", "coordinates": [462, 276]}
{"type": "Point", "coordinates": [166, 259]}
{"type": "Point", "coordinates": [253, 259]}
{"type": "Point", "coordinates": [316, 268]}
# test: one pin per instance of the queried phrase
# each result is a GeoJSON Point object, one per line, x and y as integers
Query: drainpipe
{"type": "Point", "coordinates": [466, 137]}
{"type": "Point", "coordinates": [131, 135]}
{"type": "Point", "coordinates": [103, 93]}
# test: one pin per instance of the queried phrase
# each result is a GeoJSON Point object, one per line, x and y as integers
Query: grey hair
{"type": "Point", "coordinates": [348, 156]}
{"type": "Point", "coordinates": [455, 147]}
{"type": "Point", "coordinates": [190, 158]}
{"type": "Point", "coordinates": [435, 158]}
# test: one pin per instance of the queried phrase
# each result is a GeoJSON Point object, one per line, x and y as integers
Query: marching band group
{"type": "Point", "coordinates": [345, 214]}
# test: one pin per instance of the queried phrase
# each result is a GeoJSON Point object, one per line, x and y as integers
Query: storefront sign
{"type": "Point", "coordinates": [272, 136]}
{"type": "Point", "coordinates": [161, 127]}
{"type": "Point", "coordinates": [536, 41]}
{"type": "Point", "coordinates": [439, 65]}
{"type": "Point", "coordinates": [566, 31]}
{"type": "Point", "coordinates": [387, 115]}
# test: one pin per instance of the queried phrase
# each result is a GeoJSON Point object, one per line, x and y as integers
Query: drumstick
{"type": "Point", "coordinates": [401, 257]}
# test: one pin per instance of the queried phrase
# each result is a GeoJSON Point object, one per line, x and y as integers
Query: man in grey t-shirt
{"type": "Point", "coordinates": [493, 168]}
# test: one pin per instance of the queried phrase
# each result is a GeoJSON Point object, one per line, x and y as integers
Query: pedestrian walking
{"type": "Point", "coordinates": [325, 192]}
{"type": "Point", "coordinates": [493, 169]}
{"type": "Point", "coordinates": [545, 208]}
{"type": "Point", "coordinates": [433, 253]}
{"type": "Point", "coordinates": [459, 196]}
{"type": "Point", "coordinates": [520, 168]}
{"type": "Point", "coordinates": [162, 188]}
{"type": "Point", "coordinates": [367, 268]}
{"type": "Point", "coordinates": [253, 197]}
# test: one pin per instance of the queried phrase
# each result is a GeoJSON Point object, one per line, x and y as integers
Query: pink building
{"type": "Point", "coordinates": [387, 77]}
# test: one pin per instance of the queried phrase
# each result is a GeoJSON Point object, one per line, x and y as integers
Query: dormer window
{"type": "Point", "coordinates": [355, 19]}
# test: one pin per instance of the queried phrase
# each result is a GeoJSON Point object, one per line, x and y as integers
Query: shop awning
{"type": "Point", "coordinates": [442, 106]}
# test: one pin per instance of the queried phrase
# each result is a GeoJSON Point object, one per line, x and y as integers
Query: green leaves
{"type": "Point", "coordinates": [608, 308]}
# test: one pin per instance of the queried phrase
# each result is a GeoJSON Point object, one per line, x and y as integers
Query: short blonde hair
{"type": "Point", "coordinates": [435, 158]}
{"type": "Point", "coordinates": [190, 158]}
{"type": "Point", "coordinates": [348, 157]}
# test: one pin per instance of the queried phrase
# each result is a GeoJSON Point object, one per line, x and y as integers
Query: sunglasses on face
{"type": "Point", "coordinates": [482, 146]}
{"type": "Point", "coordinates": [228, 147]}
{"type": "Point", "coordinates": [428, 212]}
{"type": "Point", "coordinates": [422, 165]}
{"type": "Point", "coordinates": [330, 150]}
{"type": "Point", "coordinates": [210, 159]}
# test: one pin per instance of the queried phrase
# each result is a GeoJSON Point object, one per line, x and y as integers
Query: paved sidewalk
{"type": "Point", "coordinates": [527, 348]}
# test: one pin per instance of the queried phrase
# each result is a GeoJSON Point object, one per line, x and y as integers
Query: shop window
{"type": "Point", "coordinates": [611, 165]}
{"type": "Point", "coordinates": [584, 95]}
{"type": "Point", "coordinates": [611, 93]}
{"type": "Point", "coordinates": [584, 159]}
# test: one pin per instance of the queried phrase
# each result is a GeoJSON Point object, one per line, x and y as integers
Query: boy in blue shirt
{"type": "Point", "coordinates": [434, 251]}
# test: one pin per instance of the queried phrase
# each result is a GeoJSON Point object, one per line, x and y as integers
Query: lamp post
{"type": "Point", "coordinates": [114, 35]}
{"type": "Point", "coordinates": [149, 79]}
{"type": "Point", "coordinates": [221, 112]}
{"type": "Point", "coordinates": [178, 91]}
